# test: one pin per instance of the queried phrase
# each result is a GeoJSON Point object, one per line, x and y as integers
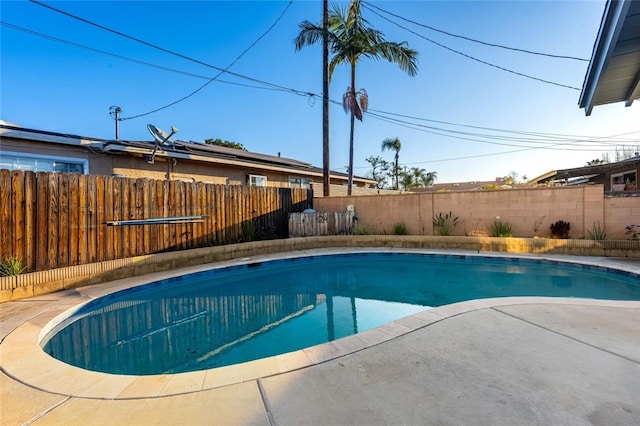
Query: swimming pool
{"type": "Point", "coordinates": [225, 316]}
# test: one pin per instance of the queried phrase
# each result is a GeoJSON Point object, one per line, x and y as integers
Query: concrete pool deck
{"type": "Point", "coordinates": [492, 361]}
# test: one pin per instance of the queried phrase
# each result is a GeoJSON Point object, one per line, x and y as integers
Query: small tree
{"type": "Point", "coordinates": [379, 171]}
{"type": "Point", "coordinates": [394, 144]}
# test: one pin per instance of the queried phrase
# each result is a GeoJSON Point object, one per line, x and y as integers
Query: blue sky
{"type": "Point", "coordinates": [58, 87]}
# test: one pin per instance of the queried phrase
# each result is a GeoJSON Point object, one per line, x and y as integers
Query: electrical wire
{"type": "Point", "coordinates": [472, 57]}
{"type": "Point", "coordinates": [313, 95]}
{"type": "Point", "coordinates": [220, 73]}
{"type": "Point", "coordinates": [555, 138]}
{"type": "Point", "coordinates": [126, 58]}
{"type": "Point", "coordinates": [222, 70]}
{"type": "Point", "coordinates": [368, 5]}
{"type": "Point", "coordinates": [558, 146]}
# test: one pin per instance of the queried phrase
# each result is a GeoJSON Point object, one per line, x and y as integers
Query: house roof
{"type": "Point", "coordinates": [614, 70]}
{"type": "Point", "coordinates": [460, 186]}
{"type": "Point", "coordinates": [591, 171]}
{"type": "Point", "coordinates": [178, 149]}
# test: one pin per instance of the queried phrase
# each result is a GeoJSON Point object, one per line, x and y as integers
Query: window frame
{"type": "Point", "coordinates": [54, 158]}
{"type": "Point", "coordinates": [302, 180]}
{"type": "Point", "coordinates": [250, 179]}
{"type": "Point", "coordinates": [622, 175]}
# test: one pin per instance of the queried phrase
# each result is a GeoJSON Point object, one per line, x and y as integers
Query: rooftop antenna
{"type": "Point", "coordinates": [115, 111]}
{"type": "Point", "coordinates": [161, 137]}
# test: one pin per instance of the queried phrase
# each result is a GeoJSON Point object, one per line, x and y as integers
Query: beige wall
{"type": "Point", "coordinates": [581, 206]}
{"type": "Point", "coordinates": [132, 166]}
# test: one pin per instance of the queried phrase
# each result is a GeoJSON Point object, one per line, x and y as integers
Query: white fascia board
{"type": "Point", "coordinates": [45, 137]}
{"type": "Point", "coordinates": [612, 21]}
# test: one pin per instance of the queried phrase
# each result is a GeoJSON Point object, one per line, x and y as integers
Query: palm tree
{"type": "Point", "coordinates": [350, 38]}
{"type": "Point", "coordinates": [393, 144]}
{"type": "Point", "coordinates": [428, 179]}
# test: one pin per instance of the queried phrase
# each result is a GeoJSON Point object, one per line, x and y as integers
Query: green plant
{"type": "Point", "coordinates": [400, 228]}
{"type": "Point", "coordinates": [11, 266]}
{"type": "Point", "coordinates": [597, 232]}
{"type": "Point", "coordinates": [633, 231]}
{"type": "Point", "coordinates": [445, 223]}
{"type": "Point", "coordinates": [362, 230]}
{"type": "Point", "coordinates": [500, 228]}
{"type": "Point", "coordinates": [560, 229]}
{"type": "Point", "coordinates": [249, 231]}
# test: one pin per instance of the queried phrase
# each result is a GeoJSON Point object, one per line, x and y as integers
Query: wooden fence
{"type": "Point", "coordinates": [321, 223]}
{"type": "Point", "coordinates": [52, 220]}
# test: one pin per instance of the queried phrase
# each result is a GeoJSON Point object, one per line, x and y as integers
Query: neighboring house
{"type": "Point", "coordinates": [614, 70]}
{"type": "Point", "coordinates": [476, 185]}
{"type": "Point", "coordinates": [621, 176]}
{"type": "Point", "coordinates": [28, 149]}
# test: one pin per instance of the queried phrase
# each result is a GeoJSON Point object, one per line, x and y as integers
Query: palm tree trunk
{"type": "Point", "coordinates": [397, 170]}
{"type": "Point", "coordinates": [352, 129]}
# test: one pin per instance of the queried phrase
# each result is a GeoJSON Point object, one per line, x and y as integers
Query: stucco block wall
{"type": "Point", "coordinates": [619, 213]}
{"type": "Point", "coordinates": [529, 211]}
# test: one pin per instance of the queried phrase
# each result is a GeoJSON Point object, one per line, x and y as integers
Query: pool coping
{"type": "Point", "coordinates": [23, 359]}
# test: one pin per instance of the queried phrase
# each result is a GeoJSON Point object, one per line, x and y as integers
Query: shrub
{"type": "Point", "coordinates": [597, 232]}
{"type": "Point", "coordinates": [560, 229]}
{"type": "Point", "coordinates": [249, 231]}
{"type": "Point", "coordinates": [11, 266]}
{"type": "Point", "coordinates": [632, 231]}
{"type": "Point", "coordinates": [400, 228]}
{"type": "Point", "coordinates": [362, 230]}
{"type": "Point", "coordinates": [445, 223]}
{"type": "Point", "coordinates": [500, 228]}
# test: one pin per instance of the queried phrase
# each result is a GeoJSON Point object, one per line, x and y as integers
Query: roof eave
{"type": "Point", "coordinates": [608, 34]}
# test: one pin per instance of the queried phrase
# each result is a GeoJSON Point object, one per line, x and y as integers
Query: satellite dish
{"type": "Point", "coordinates": [160, 135]}
{"type": "Point", "coordinates": [161, 138]}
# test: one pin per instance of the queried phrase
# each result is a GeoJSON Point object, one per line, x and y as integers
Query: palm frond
{"type": "Point", "coordinates": [364, 100]}
{"type": "Point", "coordinates": [309, 34]}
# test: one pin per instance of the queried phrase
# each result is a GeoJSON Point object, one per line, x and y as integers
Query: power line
{"type": "Point", "coordinates": [126, 58]}
{"type": "Point", "coordinates": [369, 6]}
{"type": "Point", "coordinates": [222, 70]}
{"type": "Point", "coordinates": [472, 57]}
{"type": "Point", "coordinates": [549, 138]}
{"type": "Point", "coordinates": [312, 95]}
{"type": "Point", "coordinates": [472, 137]}
{"type": "Point", "coordinates": [220, 73]}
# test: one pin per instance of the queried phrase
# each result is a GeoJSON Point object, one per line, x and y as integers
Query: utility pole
{"type": "Point", "coordinates": [115, 111]}
{"type": "Point", "coordinates": [325, 100]}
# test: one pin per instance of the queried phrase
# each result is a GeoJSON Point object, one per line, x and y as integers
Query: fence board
{"type": "Point", "coordinates": [74, 220]}
{"type": "Point", "coordinates": [83, 236]}
{"type": "Point", "coordinates": [5, 214]}
{"type": "Point", "coordinates": [17, 217]}
{"type": "Point", "coordinates": [29, 220]}
{"type": "Point", "coordinates": [53, 207]}
{"type": "Point", "coordinates": [101, 205]}
{"type": "Point", "coordinates": [92, 222]}
{"type": "Point", "coordinates": [63, 219]}
{"type": "Point", "coordinates": [126, 214]}
{"type": "Point", "coordinates": [108, 231]}
{"type": "Point", "coordinates": [54, 220]}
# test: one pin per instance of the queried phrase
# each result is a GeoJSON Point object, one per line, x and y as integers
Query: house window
{"type": "Point", "coordinates": [625, 181]}
{"type": "Point", "coordinates": [298, 182]}
{"type": "Point", "coordinates": [42, 163]}
{"type": "Point", "coordinates": [257, 180]}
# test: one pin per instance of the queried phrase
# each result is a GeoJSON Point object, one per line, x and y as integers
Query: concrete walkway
{"type": "Point", "coordinates": [497, 361]}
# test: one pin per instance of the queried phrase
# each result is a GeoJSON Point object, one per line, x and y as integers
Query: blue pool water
{"type": "Point", "coordinates": [236, 314]}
